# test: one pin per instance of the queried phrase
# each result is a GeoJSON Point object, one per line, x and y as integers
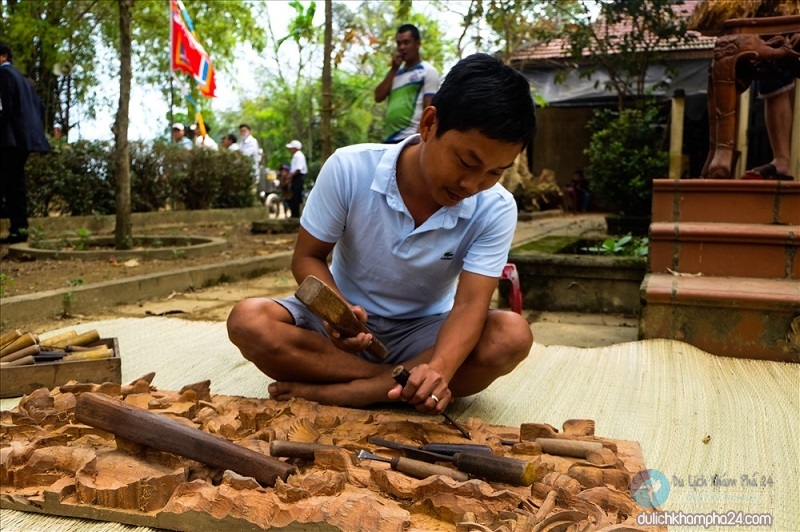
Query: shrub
{"type": "Point", "coordinates": [150, 187]}
{"type": "Point", "coordinates": [79, 179]}
{"type": "Point", "coordinates": [74, 179]}
{"type": "Point", "coordinates": [625, 156]}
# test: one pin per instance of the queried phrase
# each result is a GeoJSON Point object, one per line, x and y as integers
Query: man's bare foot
{"type": "Point", "coordinates": [357, 393]}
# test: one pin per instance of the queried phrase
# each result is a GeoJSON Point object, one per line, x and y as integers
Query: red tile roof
{"type": "Point", "coordinates": [557, 50]}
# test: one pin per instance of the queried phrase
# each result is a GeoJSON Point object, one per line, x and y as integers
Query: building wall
{"type": "Point", "coordinates": [561, 137]}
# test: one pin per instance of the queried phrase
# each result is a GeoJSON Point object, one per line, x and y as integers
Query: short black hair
{"type": "Point", "coordinates": [6, 49]}
{"type": "Point", "coordinates": [243, 125]}
{"type": "Point", "coordinates": [409, 27]}
{"type": "Point", "coordinates": [480, 92]}
{"type": "Point", "coordinates": [231, 137]}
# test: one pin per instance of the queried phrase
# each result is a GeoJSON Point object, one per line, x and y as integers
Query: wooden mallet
{"type": "Point", "coordinates": [328, 305]}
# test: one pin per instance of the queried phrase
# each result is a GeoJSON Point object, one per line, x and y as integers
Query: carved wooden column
{"type": "Point", "coordinates": [738, 53]}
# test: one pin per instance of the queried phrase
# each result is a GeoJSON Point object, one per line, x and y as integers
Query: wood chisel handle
{"type": "Point", "coordinates": [418, 469]}
{"type": "Point", "coordinates": [496, 468]}
{"type": "Point", "coordinates": [401, 375]}
{"type": "Point", "coordinates": [156, 431]}
{"type": "Point", "coordinates": [320, 299]}
{"type": "Point", "coordinates": [296, 449]}
{"type": "Point", "coordinates": [576, 448]}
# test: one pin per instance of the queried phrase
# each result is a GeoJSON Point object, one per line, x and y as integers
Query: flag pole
{"type": "Point", "coordinates": [169, 69]}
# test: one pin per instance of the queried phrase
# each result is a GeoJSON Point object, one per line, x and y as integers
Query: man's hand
{"type": "Point", "coordinates": [397, 61]}
{"type": "Point", "coordinates": [351, 344]}
{"type": "Point", "coordinates": [426, 389]}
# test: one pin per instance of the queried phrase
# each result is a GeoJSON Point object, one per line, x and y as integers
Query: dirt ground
{"type": "Point", "coordinates": [25, 277]}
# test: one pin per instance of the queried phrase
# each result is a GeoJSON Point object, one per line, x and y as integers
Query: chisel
{"type": "Point", "coordinates": [401, 375]}
{"type": "Point", "coordinates": [481, 464]}
{"type": "Point", "coordinates": [415, 468]}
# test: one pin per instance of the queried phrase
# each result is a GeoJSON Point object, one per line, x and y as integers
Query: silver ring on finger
{"type": "Point", "coordinates": [435, 399]}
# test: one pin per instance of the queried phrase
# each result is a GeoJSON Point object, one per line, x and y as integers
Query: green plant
{"type": "Point", "coordinates": [5, 282]}
{"type": "Point", "coordinates": [626, 245]}
{"type": "Point", "coordinates": [82, 235]}
{"type": "Point", "coordinates": [177, 253]}
{"type": "Point", "coordinates": [35, 237]}
{"type": "Point", "coordinates": [625, 155]}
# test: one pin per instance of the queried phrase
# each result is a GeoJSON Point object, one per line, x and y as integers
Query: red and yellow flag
{"type": "Point", "coordinates": [187, 54]}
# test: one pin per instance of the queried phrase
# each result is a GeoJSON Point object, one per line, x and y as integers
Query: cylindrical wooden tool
{"type": "Point", "coordinates": [58, 338]}
{"type": "Point", "coordinates": [328, 305]}
{"type": "Point", "coordinates": [8, 337]}
{"type": "Point", "coordinates": [22, 353]}
{"type": "Point", "coordinates": [89, 337]}
{"type": "Point", "coordinates": [26, 340]}
{"type": "Point", "coordinates": [24, 361]}
{"type": "Point", "coordinates": [496, 468]}
{"type": "Point", "coordinates": [576, 448]}
{"type": "Point", "coordinates": [297, 449]}
{"type": "Point", "coordinates": [159, 432]}
{"type": "Point", "coordinates": [94, 354]}
{"type": "Point", "coordinates": [415, 468]}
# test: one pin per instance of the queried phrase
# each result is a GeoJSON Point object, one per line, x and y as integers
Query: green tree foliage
{"type": "Point", "coordinates": [80, 33]}
{"type": "Point", "coordinates": [626, 39]}
{"type": "Point", "coordinates": [506, 25]}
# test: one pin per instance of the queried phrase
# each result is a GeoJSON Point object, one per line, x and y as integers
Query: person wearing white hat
{"type": "Point", "coordinates": [298, 169]}
{"type": "Point", "coordinates": [179, 136]}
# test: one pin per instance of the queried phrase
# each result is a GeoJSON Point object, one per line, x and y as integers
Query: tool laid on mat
{"type": "Point", "coordinates": [415, 468]}
{"type": "Point", "coordinates": [447, 449]}
{"type": "Point", "coordinates": [328, 305]}
{"type": "Point", "coordinates": [409, 466]}
{"type": "Point", "coordinates": [401, 375]}
{"type": "Point", "coordinates": [159, 432]}
{"type": "Point", "coordinates": [479, 464]}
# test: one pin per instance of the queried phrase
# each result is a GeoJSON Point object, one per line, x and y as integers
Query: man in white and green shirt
{"type": "Point", "coordinates": [410, 89]}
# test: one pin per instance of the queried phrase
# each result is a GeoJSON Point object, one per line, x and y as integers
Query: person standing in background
{"type": "Point", "coordinates": [205, 141]}
{"type": "Point", "coordinates": [229, 142]}
{"type": "Point", "coordinates": [179, 136]}
{"type": "Point", "coordinates": [410, 89]}
{"type": "Point", "coordinates": [298, 169]}
{"type": "Point", "coordinates": [21, 132]}
{"type": "Point", "coordinates": [248, 145]}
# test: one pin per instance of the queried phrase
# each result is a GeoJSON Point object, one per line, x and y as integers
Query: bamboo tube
{"type": "Point", "coordinates": [22, 342]}
{"type": "Point", "coordinates": [50, 342]}
{"type": "Point", "coordinates": [9, 337]}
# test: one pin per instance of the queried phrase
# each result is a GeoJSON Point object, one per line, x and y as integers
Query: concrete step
{"type": "Point", "coordinates": [727, 316]}
{"type": "Point", "coordinates": [726, 200]}
{"type": "Point", "coordinates": [726, 249]}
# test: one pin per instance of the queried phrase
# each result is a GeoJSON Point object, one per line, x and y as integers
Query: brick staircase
{"type": "Point", "coordinates": [724, 267]}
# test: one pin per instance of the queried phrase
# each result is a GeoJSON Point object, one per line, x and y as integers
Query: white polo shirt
{"type": "Point", "coordinates": [380, 260]}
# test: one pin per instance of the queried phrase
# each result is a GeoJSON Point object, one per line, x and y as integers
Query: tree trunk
{"type": "Point", "coordinates": [327, 86]}
{"type": "Point", "coordinates": [123, 238]}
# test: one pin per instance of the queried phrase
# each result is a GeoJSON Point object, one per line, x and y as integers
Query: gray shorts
{"type": "Point", "coordinates": [404, 339]}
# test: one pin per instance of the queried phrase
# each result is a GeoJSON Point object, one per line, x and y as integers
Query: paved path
{"type": "Point", "coordinates": [550, 328]}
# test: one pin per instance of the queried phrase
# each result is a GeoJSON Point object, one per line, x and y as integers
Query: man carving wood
{"type": "Point", "coordinates": [420, 233]}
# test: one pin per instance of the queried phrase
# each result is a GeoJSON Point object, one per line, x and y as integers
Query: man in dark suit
{"type": "Point", "coordinates": [21, 132]}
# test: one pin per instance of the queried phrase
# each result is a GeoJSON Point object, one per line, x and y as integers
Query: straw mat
{"type": "Point", "coordinates": [695, 415]}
